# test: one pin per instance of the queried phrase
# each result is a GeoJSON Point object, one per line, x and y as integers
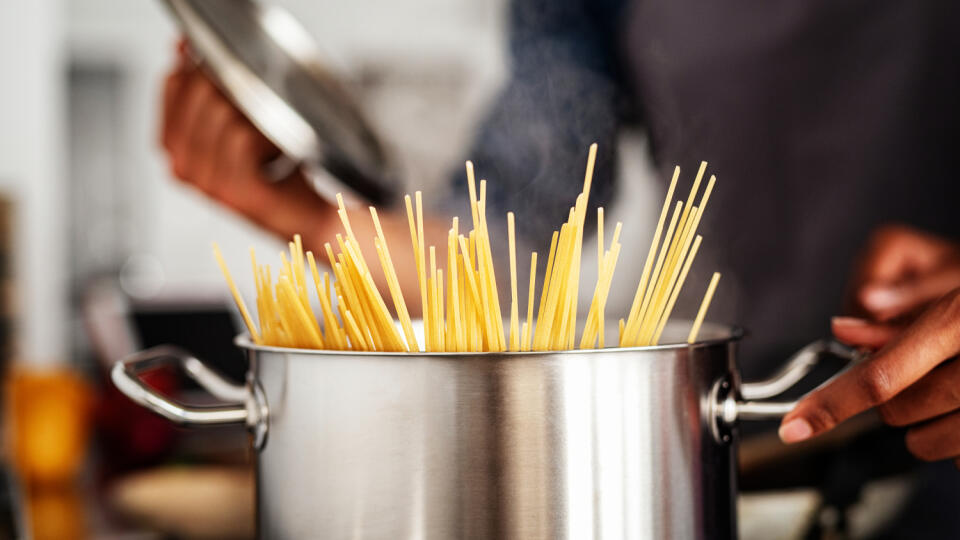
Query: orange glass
{"type": "Point", "coordinates": [57, 513]}
{"type": "Point", "coordinates": [48, 424]}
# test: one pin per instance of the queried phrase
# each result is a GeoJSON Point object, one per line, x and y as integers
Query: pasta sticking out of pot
{"type": "Point", "coordinates": [462, 312]}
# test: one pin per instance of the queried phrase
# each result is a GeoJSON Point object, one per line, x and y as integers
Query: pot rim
{"type": "Point", "coordinates": [734, 333]}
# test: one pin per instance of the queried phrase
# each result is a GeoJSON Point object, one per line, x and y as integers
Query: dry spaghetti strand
{"type": "Point", "coordinates": [704, 306]}
{"type": "Point", "coordinates": [241, 305]}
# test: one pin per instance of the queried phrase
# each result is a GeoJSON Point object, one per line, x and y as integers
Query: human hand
{"type": "Point", "coordinates": [213, 148]}
{"type": "Point", "coordinates": [913, 381]}
{"type": "Point", "coordinates": [901, 270]}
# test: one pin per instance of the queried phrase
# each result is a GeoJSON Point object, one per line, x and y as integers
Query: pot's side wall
{"type": "Point", "coordinates": [611, 444]}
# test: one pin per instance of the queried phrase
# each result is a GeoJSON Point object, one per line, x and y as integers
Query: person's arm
{"type": "Point", "coordinates": [914, 378]}
{"type": "Point", "coordinates": [562, 95]}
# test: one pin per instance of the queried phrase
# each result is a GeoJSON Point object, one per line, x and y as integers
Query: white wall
{"type": "Point", "coordinates": [31, 170]}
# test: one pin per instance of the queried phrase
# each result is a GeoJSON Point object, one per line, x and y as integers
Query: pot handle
{"type": "Point", "coordinates": [246, 406]}
{"type": "Point", "coordinates": [750, 405]}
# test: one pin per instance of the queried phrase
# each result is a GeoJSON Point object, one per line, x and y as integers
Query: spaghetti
{"type": "Point", "coordinates": [346, 310]}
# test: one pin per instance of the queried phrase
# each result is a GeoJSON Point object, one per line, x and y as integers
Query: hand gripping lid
{"type": "Point", "coordinates": [270, 67]}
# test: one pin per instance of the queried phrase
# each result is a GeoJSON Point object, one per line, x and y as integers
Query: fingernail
{"type": "Point", "coordinates": [795, 430]}
{"type": "Point", "coordinates": [848, 321]}
{"type": "Point", "coordinates": [881, 298]}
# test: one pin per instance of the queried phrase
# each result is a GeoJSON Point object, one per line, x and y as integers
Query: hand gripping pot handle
{"type": "Point", "coordinates": [245, 405]}
{"type": "Point", "coordinates": [728, 408]}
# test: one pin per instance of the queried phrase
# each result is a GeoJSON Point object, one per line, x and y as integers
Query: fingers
{"type": "Point", "coordinates": [862, 333]}
{"type": "Point", "coordinates": [937, 393]}
{"type": "Point", "coordinates": [238, 163]}
{"type": "Point", "coordinates": [198, 120]}
{"type": "Point", "coordinates": [936, 440]}
{"type": "Point", "coordinates": [212, 147]}
{"type": "Point", "coordinates": [211, 127]}
{"type": "Point", "coordinates": [243, 150]}
{"type": "Point", "coordinates": [901, 270]}
{"type": "Point", "coordinates": [935, 396]}
{"type": "Point", "coordinates": [895, 251]}
{"type": "Point", "coordinates": [926, 343]}
{"type": "Point", "coordinates": [196, 98]}
{"type": "Point", "coordinates": [887, 301]}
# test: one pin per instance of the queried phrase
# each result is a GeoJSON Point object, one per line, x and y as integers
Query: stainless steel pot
{"type": "Point", "coordinates": [614, 443]}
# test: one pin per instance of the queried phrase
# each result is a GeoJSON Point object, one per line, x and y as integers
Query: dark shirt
{"type": "Point", "coordinates": [822, 120]}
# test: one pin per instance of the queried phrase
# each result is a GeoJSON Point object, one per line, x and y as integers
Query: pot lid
{"type": "Point", "coordinates": [270, 67]}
